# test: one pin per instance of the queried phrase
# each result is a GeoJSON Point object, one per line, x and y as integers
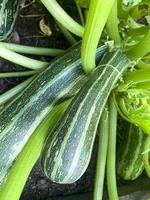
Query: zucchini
{"type": "Point", "coordinates": [18, 120]}
{"type": "Point", "coordinates": [130, 164]}
{"type": "Point", "coordinates": [67, 150]}
{"type": "Point", "coordinates": [8, 13]}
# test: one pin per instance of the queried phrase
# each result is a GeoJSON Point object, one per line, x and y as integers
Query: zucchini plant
{"type": "Point", "coordinates": [119, 83]}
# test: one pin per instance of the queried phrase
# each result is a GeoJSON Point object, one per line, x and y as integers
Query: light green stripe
{"type": "Point", "coordinates": [33, 99]}
{"type": "Point", "coordinates": [79, 148]}
{"type": "Point", "coordinates": [136, 154]}
{"type": "Point", "coordinates": [58, 159]}
{"type": "Point", "coordinates": [33, 127]}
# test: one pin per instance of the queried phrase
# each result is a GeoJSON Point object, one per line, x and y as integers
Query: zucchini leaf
{"type": "Point", "coordinates": [134, 105]}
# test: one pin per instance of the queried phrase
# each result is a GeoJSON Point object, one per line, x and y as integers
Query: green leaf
{"type": "Point", "coordinates": [134, 105]}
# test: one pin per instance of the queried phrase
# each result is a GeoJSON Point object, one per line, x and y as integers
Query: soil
{"type": "Point", "coordinates": [27, 32]}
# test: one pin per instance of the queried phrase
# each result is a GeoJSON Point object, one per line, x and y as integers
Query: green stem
{"type": "Point", "coordinates": [67, 34]}
{"type": "Point", "coordinates": [141, 49]}
{"type": "Point", "coordinates": [80, 14]}
{"type": "Point", "coordinates": [62, 17]}
{"type": "Point", "coordinates": [142, 65]}
{"type": "Point", "coordinates": [97, 16]}
{"type": "Point", "coordinates": [21, 60]}
{"type": "Point", "coordinates": [12, 92]}
{"type": "Point", "coordinates": [32, 50]}
{"type": "Point", "coordinates": [111, 154]}
{"type": "Point", "coordinates": [143, 85]}
{"type": "Point", "coordinates": [112, 26]}
{"type": "Point", "coordinates": [17, 74]}
{"type": "Point", "coordinates": [21, 169]}
{"type": "Point", "coordinates": [138, 76]}
{"type": "Point", "coordinates": [145, 155]}
{"type": "Point", "coordinates": [102, 153]}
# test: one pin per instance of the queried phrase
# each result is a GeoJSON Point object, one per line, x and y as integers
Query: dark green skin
{"type": "Point", "coordinates": [8, 11]}
{"type": "Point", "coordinates": [133, 157]}
{"type": "Point", "coordinates": [61, 80]}
{"type": "Point", "coordinates": [76, 116]}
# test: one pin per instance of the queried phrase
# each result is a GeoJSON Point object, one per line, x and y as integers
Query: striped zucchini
{"type": "Point", "coordinates": [67, 151]}
{"type": "Point", "coordinates": [8, 14]}
{"type": "Point", "coordinates": [130, 164]}
{"type": "Point", "coordinates": [20, 118]}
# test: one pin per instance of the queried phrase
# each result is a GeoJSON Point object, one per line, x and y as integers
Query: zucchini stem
{"type": "Point", "coordinates": [142, 65]}
{"type": "Point", "coordinates": [102, 153]}
{"type": "Point", "coordinates": [111, 154]}
{"type": "Point", "coordinates": [62, 17]}
{"type": "Point", "coordinates": [136, 77]}
{"type": "Point", "coordinates": [112, 26]}
{"type": "Point", "coordinates": [32, 50]}
{"type": "Point", "coordinates": [141, 49]}
{"type": "Point", "coordinates": [97, 16]}
{"type": "Point", "coordinates": [13, 91]}
{"type": "Point", "coordinates": [22, 60]}
{"type": "Point", "coordinates": [67, 34]}
{"type": "Point", "coordinates": [17, 74]}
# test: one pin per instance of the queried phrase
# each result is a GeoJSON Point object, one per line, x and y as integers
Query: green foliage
{"type": "Point", "coordinates": [134, 106]}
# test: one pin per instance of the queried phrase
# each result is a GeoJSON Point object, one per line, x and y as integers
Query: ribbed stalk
{"type": "Point", "coordinates": [97, 16]}
{"type": "Point", "coordinates": [102, 153]}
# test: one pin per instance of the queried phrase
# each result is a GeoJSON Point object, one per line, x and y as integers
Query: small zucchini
{"type": "Point", "coordinates": [130, 164]}
{"type": "Point", "coordinates": [18, 120]}
{"type": "Point", "coordinates": [8, 13]}
{"type": "Point", "coordinates": [67, 151]}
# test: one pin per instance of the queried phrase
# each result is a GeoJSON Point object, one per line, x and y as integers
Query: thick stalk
{"type": "Point", "coordinates": [141, 49]}
{"type": "Point", "coordinates": [97, 16]}
{"type": "Point", "coordinates": [142, 65]}
{"type": "Point", "coordinates": [21, 60]}
{"type": "Point", "coordinates": [32, 50]}
{"type": "Point", "coordinates": [62, 17]}
{"type": "Point", "coordinates": [111, 154]}
{"type": "Point", "coordinates": [102, 153]}
{"type": "Point", "coordinates": [136, 77]}
{"type": "Point", "coordinates": [112, 26]}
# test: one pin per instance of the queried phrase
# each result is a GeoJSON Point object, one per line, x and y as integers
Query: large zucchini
{"type": "Point", "coordinates": [8, 14]}
{"type": "Point", "coordinates": [68, 149]}
{"type": "Point", "coordinates": [130, 164]}
{"type": "Point", "coordinates": [20, 118]}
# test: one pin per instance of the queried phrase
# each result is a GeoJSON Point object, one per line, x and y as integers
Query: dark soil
{"type": "Point", "coordinates": [27, 32]}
